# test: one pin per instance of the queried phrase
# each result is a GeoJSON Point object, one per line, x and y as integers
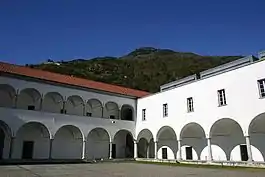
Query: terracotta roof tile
{"type": "Point", "coordinates": [70, 80]}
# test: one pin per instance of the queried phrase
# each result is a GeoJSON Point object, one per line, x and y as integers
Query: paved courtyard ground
{"type": "Point", "coordinates": [121, 170]}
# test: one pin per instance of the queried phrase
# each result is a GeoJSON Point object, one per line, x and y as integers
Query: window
{"type": "Point", "coordinates": [143, 114]}
{"type": "Point", "coordinates": [221, 97]}
{"type": "Point", "coordinates": [89, 114]}
{"type": "Point", "coordinates": [261, 87]}
{"type": "Point", "coordinates": [165, 110]}
{"type": "Point", "coordinates": [190, 104]}
{"type": "Point", "coordinates": [31, 107]}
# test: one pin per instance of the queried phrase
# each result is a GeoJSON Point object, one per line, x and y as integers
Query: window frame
{"type": "Point", "coordinates": [222, 101]}
{"type": "Point", "coordinates": [190, 104]}
{"type": "Point", "coordinates": [165, 110]}
{"type": "Point", "coordinates": [144, 114]}
{"type": "Point", "coordinates": [261, 83]}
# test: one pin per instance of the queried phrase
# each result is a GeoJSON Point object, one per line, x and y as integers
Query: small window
{"type": "Point", "coordinates": [221, 97]}
{"type": "Point", "coordinates": [165, 110]}
{"type": "Point", "coordinates": [261, 87]}
{"type": "Point", "coordinates": [31, 107]}
{"type": "Point", "coordinates": [89, 114]}
{"type": "Point", "coordinates": [112, 117]}
{"type": "Point", "coordinates": [190, 104]}
{"type": "Point", "coordinates": [143, 114]}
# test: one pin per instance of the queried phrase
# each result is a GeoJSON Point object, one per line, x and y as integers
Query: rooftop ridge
{"type": "Point", "coordinates": [69, 80]}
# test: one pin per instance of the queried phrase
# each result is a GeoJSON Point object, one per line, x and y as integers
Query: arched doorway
{"type": "Point", "coordinates": [71, 139]}
{"type": "Point", "coordinates": [97, 145]}
{"type": "Point", "coordinates": [53, 102]}
{"type": "Point", "coordinates": [256, 132]}
{"type": "Point", "coordinates": [126, 113]}
{"type": "Point", "coordinates": [75, 105]}
{"type": "Point", "coordinates": [5, 138]}
{"type": "Point", "coordinates": [29, 99]}
{"type": "Point", "coordinates": [193, 141]}
{"type": "Point", "coordinates": [32, 141]}
{"type": "Point", "coordinates": [123, 145]}
{"type": "Point", "coordinates": [145, 145]}
{"type": "Point", "coordinates": [226, 134]}
{"type": "Point", "coordinates": [94, 108]}
{"type": "Point", "coordinates": [7, 95]}
{"type": "Point", "coordinates": [167, 143]}
{"type": "Point", "coordinates": [111, 110]}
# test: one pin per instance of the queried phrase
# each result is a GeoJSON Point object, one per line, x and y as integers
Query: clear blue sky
{"type": "Point", "coordinates": [32, 31]}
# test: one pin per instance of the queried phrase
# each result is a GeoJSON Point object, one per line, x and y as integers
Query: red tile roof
{"type": "Point", "coordinates": [69, 80]}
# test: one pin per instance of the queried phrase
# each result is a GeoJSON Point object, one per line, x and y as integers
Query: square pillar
{"type": "Point", "coordinates": [84, 149]}
{"type": "Point", "coordinates": [210, 156]}
{"type": "Point", "coordinates": [110, 150]}
{"type": "Point", "coordinates": [179, 156]}
{"type": "Point", "coordinates": [156, 150]}
{"type": "Point", "coordinates": [250, 158]}
{"type": "Point", "coordinates": [50, 149]}
{"type": "Point", "coordinates": [135, 149]}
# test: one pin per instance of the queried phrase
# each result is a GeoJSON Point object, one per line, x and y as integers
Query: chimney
{"type": "Point", "coordinates": [261, 55]}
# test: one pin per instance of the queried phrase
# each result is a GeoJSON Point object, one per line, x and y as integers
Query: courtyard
{"type": "Point", "coordinates": [122, 170]}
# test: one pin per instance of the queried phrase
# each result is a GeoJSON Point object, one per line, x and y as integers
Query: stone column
{"type": "Point", "coordinates": [84, 109]}
{"type": "Point", "coordinates": [135, 149]}
{"type": "Point", "coordinates": [250, 158]}
{"type": "Point", "coordinates": [50, 149]}
{"type": "Point", "coordinates": [156, 150]}
{"type": "Point", "coordinates": [179, 150]}
{"type": "Point", "coordinates": [119, 110]}
{"type": "Point", "coordinates": [84, 149]}
{"type": "Point", "coordinates": [41, 102]}
{"type": "Point", "coordinates": [102, 110]}
{"type": "Point", "coordinates": [63, 112]}
{"type": "Point", "coordinates": [11, 147]}
{"type": "Point", "coordinates": [15, 101]}
{"type": "Point", "coordinates": [110, 150]}
{"type": "Point", "coordinates": [210, 156]}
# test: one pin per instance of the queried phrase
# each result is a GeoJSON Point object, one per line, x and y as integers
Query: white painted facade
{"type": "Point", "coordinates": [241, 121]}
{"type": "Point", "coordinates": [73, 123]}
{"type": "Point", "coordinates": [66, 123]}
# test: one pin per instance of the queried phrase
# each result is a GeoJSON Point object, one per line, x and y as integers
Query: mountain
{"type": "Point", "coordinates": [145, 68]}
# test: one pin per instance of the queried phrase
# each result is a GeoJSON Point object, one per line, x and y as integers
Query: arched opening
{"type": "Point", "coordinates": [193, 141]}
{"type": "Point", "coordinates": [227, 134]}
{"type": "Point", "coordinates": [71, 139]}
{"type": "Point", "coordinates": [29, 99]}
{"type": "Point", "coordinates": [32, 141]}
{"type": "Point", "coordinates": [167, 143]}
{"type": "Point", "coordinates": [94, 108]}
{"type": "Point", "coordinates": [5, 138]}
{"type": "Point", "coordinates": [123, 145]}
{"type": "Point", "coordinates": [126, 113]}
{"type": "Point", "coordinates": [97, 145]}
{"type": "Point", "coordinates": [7, 95]}
{"type": "Point", "coordinates": [75, 105]}
{"type": "Point", "coordinates": [53, 102]}
{"type": "Point", "coordinates": [145, 145]}
{"type": "Point", "coordinates": [256, 132]}
{"type": "Point", "coordinates": [111, 111]}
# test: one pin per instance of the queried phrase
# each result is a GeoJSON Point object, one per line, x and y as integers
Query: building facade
{"type": "Point", "coordinates": [215, 115]}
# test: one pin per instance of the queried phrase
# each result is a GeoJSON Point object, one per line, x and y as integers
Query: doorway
{"type": "Point", "coordinates": [27, 152]}
{"type": "Point", "coordinates": [244, 152]}
{"type": "Point", "coordinates": [113, 155]}
{"type": "Point", "coordinates": [164, 153]}
{"type": "Point", "coordinates": [189, 153]}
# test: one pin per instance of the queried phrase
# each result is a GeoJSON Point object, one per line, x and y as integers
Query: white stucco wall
{"type": "Point", "coordinates": [243, 105]}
